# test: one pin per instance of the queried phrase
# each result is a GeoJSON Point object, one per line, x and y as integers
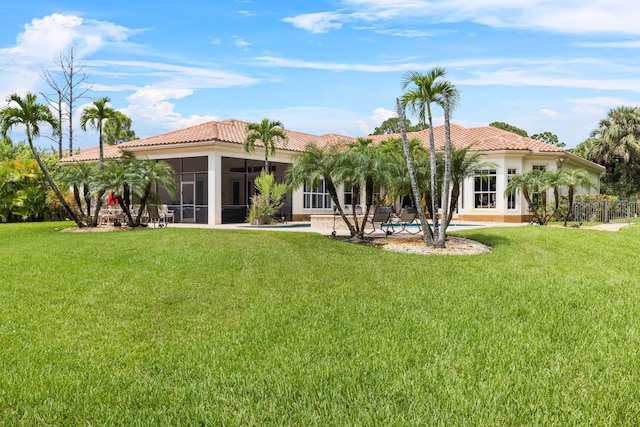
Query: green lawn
{"type": "Point", "coordinates": [219, 327]}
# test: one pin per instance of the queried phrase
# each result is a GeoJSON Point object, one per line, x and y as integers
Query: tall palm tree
{"type": "Point", "coordinates": [448, 102]}
{"type": "Point", "coordinates": [427, 235]}
{"type": "Point", "coordinates": [268, 132]}
{"type": "Point", "coordinates": [616, 145]}
{"type": "Point", "coordinates": [28, 113]}
{"type": "Point", "coordinates": [618, 135]}
{"type": "Point", "coordinates": [573, 179]}
{"type": "Point", "coordinates": [95, 116]}
{"type": "Point", "coordinates": [422, 90]}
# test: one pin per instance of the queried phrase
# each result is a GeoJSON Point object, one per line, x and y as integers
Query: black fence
{"type": "Point", "coordinates": [604, 210]}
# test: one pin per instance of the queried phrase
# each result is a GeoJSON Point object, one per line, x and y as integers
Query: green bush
{"type": "Point", "coordinates": [268, 200]}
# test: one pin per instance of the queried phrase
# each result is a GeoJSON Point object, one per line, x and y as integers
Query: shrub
{"type": "Point", "coordinates": [268, 200]}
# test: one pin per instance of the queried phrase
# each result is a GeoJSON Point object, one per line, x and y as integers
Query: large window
{"type": "Point", "coordinates": [485, 189]}
{"type": "Point", "coordinates": [316, 197]}
{"type": "Point", "coordinates": [511, 197]}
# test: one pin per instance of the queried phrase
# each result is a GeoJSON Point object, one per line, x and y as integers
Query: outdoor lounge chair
{"type": "Point", "coordinates": [381, 215]}
{"type": "Point", "coordinates": [408, 217]}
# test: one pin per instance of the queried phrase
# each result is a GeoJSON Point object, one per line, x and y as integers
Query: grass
{"type": "Point", "coordinates": [223, 327]}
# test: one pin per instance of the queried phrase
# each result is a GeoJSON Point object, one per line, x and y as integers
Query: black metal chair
{"type": "Point", "coordinates": [408, 217]}
{"type": "Point", "coordinates": [381, 215]}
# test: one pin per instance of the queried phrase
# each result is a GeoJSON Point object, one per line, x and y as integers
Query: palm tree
{"type": "Point", "coordinates": [268, 132]}
{"type": "Point", "coordinates": [573, 179]}
{"type": "Point", "coordinates": [315, 164]}
{"type": "Point", "coordinates": [366, 166]}
{"type": "Point", "coordinates": [555, 180]}
{"type": "Point", "coordinates": [427, 233]}
{"type": "Point", "coordinates": [154, 174]}
{"type": "Point", "coordinates": [464, 164]}
{"type": "Point", "coordinates": [425, 90]}
{"type": "Point", "coordinates": [617, 136]}
{"type": "Point", "coordinates": [29, 114]}
{"type": "Point", "coordinates": [616, 145]}
{"type": "Point", "coordinates": [122, 177]}
{"type": "Point", "coordinates": [95, 117]}
{"type": "Point", "coordinates": [448, 101]}
{"type": "Point", "coordinates": [533, 183]}
{"type": "Point", "coordinates": [78, 176]}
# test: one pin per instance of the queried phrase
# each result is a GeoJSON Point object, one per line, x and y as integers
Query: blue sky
{"type": "Point", "coordinates": [332, 66]}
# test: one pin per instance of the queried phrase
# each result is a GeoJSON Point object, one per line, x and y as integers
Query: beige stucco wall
{"type": "Point", "coordinates": [503, 160]}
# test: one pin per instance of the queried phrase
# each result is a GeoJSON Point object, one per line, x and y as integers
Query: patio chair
{"type": "Point", "coordinates": [154, 216]}
{"type": "Point", "coordinates": [166, 213]}
{"type": "Point", "coordinates": [381, 215]}
{"type": "Point", "coordinates": [408, 217]}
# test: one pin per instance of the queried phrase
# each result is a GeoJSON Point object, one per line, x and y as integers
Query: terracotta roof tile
{"type": "Point", "coordinates": [486, 138]}
{"type": "Point", "coordinates": [93, 154]}
{"type": "Point", "coordinates": [232, 131]}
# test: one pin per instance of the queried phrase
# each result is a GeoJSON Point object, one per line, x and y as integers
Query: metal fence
{"type": "Point", "coordinates": [604, 210]}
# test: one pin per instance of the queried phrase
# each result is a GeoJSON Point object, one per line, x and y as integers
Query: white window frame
{"type": "Point", "coordinates": [486, 197]}
{"type": "Point", "coordinates": [317, 197]}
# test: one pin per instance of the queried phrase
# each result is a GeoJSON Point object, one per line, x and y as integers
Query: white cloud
{"type": "Point", "coordinates": [152, 112]}
{"type": "Point", "coordinates": [43, 39]}
{"type": "Point", "coordinates": [329, 66]}
{"type": "Point", "coordinates": [570, 16]}
{"type": "Point", "coordinates": [171, 75]}
{"type": "Point", "coordinates": [547, 112]}
{"type": "Point", "coordinates": [602, 101]}
{"type": "Point", "coordinates": [631, 44]}
{"type": "Point", "coordinates": [241, 42]}
{"type": "Point", "coordinates": [316, 22]}
{"type": "Point", "coordinates": [247, 13]}
{"type": "Point", "coordinates": [381, 114]}
{"type": "Point", "coordinates": [364, 129]}
{"type": "Point", "coordinates": [216, 41]}
{"type": "Point", "coordinates": [314, 120]}
{"type": "Point", "coordinates": [515, 77]}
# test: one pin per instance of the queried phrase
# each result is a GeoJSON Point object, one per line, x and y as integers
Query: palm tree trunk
{"type": "Point", "coordinates": [96, 213]}
{"type": "Point", "coordinates": [331, 188]}
{"type": "Point", "coordinates": [76, 197]}
{"type": "Point", "coordinates": [53, 185]}
{"type": "Point", "coordinates": [87, 201]}
{"type": "Point", "coordinates": [446, 184]}
{"type": "Point", "coordinates": [426, 230]}
{"type": "Point", "coordinates": [455, 193]}
{"type": "Point", "coordinates": [570, 197]}
{"type": "Point", "coordinates": [434, 172]}
{"type": "Point", "coordinates": [101, 145]}
{"type": "Point", "coordinates": [368, 196]}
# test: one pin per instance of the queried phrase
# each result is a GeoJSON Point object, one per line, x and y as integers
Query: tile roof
{"type": "Point", "coordinates": [93, 154]}
{"type": "Point", "coordinates": [232, 131]}
{"type": "Point", "coordinates": [486, 138]}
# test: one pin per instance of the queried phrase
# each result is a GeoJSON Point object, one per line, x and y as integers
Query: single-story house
{"type": "Point", "coordinates": [215, 175]}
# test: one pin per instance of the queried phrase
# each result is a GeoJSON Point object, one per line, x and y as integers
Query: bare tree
{"type": "Point", "coordinates": [69, 84]}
